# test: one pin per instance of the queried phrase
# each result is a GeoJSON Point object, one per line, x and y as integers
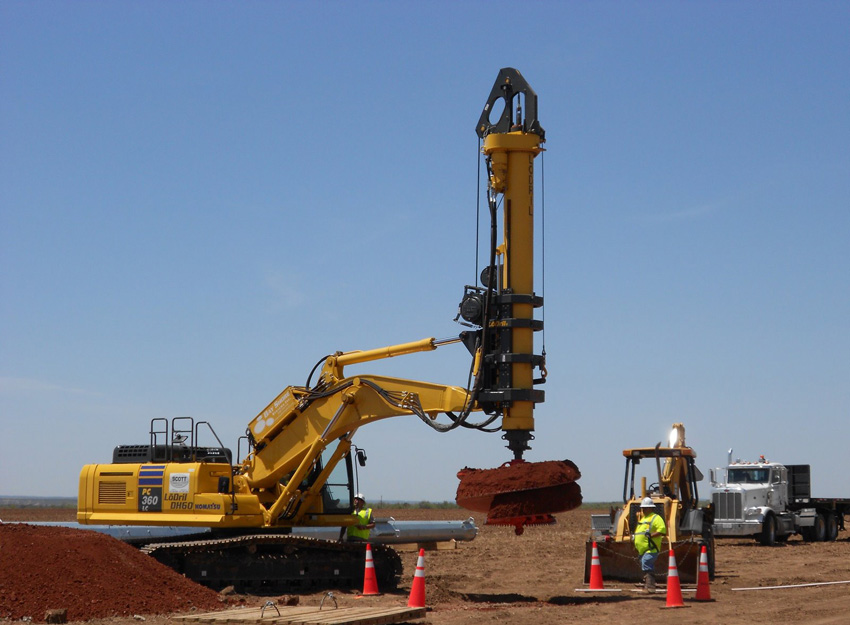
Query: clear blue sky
{"type": "Point", "coordinates": [198, 200]}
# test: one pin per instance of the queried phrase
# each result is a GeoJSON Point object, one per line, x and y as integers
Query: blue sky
{"type": "Point", "coordinates": [198, 200]}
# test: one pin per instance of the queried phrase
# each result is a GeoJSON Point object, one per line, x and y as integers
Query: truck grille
{"type": "Point", "coordinates": [728, 506]}
{"type": "Point", "coordinates": [112, 492]}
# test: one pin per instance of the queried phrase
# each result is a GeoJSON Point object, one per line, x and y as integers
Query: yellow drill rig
{"type": "Point", "coordinates": [297, 469]}
{"type": "Point", "coordinates": [673, 489]}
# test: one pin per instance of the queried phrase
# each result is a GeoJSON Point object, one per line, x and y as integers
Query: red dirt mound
{"type": "Point", "coordinates": [91, 575]}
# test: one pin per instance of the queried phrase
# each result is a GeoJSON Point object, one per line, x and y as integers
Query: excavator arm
{"type": "Point", "coordinates": [292, 433]}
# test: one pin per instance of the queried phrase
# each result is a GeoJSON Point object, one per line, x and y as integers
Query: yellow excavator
{"type": "Point", "coordinates": [297, 468]}
{"type": "Point", "coordinates": [673, 489]}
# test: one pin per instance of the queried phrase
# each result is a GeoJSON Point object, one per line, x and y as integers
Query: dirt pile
{"type": "Point", "coordinates": [92, 575]}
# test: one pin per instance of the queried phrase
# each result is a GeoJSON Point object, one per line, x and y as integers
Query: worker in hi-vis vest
{"type": "Point", "coordinates": [650, 531]}
{"type": "Point", "coordinates": [360, 530]}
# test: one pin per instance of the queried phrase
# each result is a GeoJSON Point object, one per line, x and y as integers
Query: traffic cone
{"type": "Point", "coordinates": [595, 569]}
{"type": "Point", "coordinates": [703, 591]}
{"type": "Point", "coordinates": [370, 581]}
{"type": "Point", "coordinates": [417, 590]}
{"type": "Point", "coordinates": [674, 588]}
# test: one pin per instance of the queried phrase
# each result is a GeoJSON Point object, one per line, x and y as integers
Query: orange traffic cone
{"type": "Point", "coordinates": [674, 588]}
{"type": "Point", "coordinates": [370, 582]}
{"type": "Point", "coordinates": [417, 590]}
{"type": "Point", "coordinates": [703, 591]}
{"type": "Point", "coordinates": [595, 569]}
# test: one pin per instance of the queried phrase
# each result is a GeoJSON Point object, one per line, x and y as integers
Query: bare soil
{"type": "Point", "coordinates": [532, 579]}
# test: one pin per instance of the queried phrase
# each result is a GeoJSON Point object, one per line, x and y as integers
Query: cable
{"type": "Point", "coordinates": [543, 371]}
{"type": "Point", "coordinates": [313, 370]}
{"type": "Point", "coordinates": [477, 211]}
{"type": "Point", "coordinates": [543, 245]}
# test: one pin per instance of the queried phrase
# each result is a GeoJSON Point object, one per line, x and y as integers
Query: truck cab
{"type": "Point", "coordinates": [755, 499]}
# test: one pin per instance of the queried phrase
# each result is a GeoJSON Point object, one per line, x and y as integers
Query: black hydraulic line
{"type": "Point", "coordinates": [313, 370]}
{"type": "Point", "coordinates": [488, 306]}
{"type": "Point", "coordinates": [543, 249]}
{"type": "Point", "coordinates": [482, 426]}
{"type": "Point", "coordinates": [477, 212]}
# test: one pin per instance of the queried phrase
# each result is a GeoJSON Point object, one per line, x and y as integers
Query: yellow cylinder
{"type": "Point", "coordinates": [512, 165]}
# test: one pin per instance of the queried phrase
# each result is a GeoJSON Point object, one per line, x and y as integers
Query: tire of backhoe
{"type": "Point", "coordinates": [830, 527]}
{"type": "Point", "coordinates": [767, 537]}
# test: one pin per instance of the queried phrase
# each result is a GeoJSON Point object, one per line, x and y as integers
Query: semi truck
{"type": "Point", "coordinates": [771, 502]}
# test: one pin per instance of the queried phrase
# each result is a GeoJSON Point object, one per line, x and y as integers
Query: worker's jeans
{"type": "Point", "coordinates": [647, 561]}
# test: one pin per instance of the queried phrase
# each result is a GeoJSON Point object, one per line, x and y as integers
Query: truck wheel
{"type": "Point", "coordinates": [819, 529]}
{"type": "Point", "coordinates": [830, 527]}
{"type": "Point", "coordinates": [768, 531]}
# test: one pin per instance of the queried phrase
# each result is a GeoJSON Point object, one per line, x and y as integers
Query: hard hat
{"type": "Point", "coordinates": [647, 503]}
{"type": "Point", "coordinates": [360, 497]}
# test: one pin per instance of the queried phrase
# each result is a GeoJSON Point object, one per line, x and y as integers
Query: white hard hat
{"type": "Point", "coordinates": [360, 497]}
{"type": "Point", "coordinates": [647, 503]}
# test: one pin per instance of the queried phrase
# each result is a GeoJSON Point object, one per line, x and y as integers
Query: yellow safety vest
{"type": "Point", "coordinates": [652, 524]}
{"type": "Point", "coordinates": [362, 519]}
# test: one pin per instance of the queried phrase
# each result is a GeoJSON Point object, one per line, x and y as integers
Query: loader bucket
{"type": "Point", "coordinates": [520, 493]}
{"type": "Point", "coordinates": [619, 561]}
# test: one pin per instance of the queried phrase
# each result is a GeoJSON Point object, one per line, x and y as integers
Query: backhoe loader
{"type": "Point", "coordinates": [297, 467]}
{"type": "Point", "coordinates": [673, 489]}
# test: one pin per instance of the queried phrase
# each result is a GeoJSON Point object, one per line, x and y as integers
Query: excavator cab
{"type": "Point", "coordinates": [337, 493]}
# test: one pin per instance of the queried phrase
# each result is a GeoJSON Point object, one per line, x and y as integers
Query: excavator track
{"type": "Point", "coordinates": [277, 562]}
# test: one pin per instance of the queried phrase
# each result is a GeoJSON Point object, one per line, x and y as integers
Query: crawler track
{"type": "Point", "coordinates": [277, 562]}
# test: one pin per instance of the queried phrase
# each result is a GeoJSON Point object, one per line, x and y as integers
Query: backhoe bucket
{"type": "Point", "coordinates": [520, 493]}
{"type": "Point", "coordinates": [619, 561]}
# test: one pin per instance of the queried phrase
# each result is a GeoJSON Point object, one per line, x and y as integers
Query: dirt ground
{"type": "Point", "coordinates": [532, 579]}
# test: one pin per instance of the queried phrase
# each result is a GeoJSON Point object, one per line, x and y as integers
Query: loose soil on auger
{"type": "Point", "coordinates": [520, 493]}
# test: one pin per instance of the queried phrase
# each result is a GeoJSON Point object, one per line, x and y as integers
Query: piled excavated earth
{"type": "Point", "coordinates": [91, 575]}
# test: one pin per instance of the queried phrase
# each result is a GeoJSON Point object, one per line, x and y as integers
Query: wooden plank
{"type": "Point", "coordinates": [307, 615]}
{"type": "Point", "coordinates": [235, 615]}
{"type": "Point", "coordinates": [364, 616]}
{"type": "Point", "coordinates": [289, 615]}
{"type": "Point", "coordinates": [320, 616]}
{"type": "Point", "coordinates": [441, 545]}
